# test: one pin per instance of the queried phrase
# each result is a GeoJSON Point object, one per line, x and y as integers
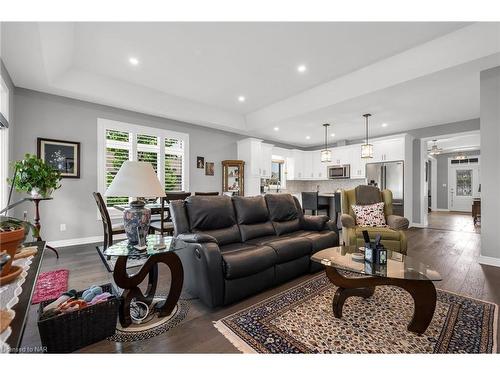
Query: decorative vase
{"type": "Point", "coordinates": [10, 241]}
{"type": "Point", "coordinates": [136, 217]}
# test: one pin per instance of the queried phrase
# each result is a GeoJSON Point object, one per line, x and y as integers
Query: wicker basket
{"type": "Point", "coordinates": [68, 332]}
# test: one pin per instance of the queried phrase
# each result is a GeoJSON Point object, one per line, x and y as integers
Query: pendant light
{"type": "Point", "coordinates": [326, 154]}
{"type": "Point", "coordinates": [435, 150]}
{"type": "Point", "coordinates": [366, 149]}
{"type": "Point", "coordinates": [460, 156]}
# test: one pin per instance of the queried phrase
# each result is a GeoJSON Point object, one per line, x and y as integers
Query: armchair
{"type": "Point", "coordinates": [393, 236]}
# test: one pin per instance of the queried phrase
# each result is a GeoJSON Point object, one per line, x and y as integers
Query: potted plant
{"type": "Point", "coordinates": [35, 177]}
{"type": "Point", "coordinates": [12, 235]}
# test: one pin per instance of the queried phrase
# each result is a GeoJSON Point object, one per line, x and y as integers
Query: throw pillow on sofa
{"type": "Point", "coordinates": [370, 215]}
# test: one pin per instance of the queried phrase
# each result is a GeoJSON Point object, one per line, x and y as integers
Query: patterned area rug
{"type": "Point", "coordinates": [50, 285]}
{"type": "Point", "coordinates": [300, 320]}
{"type": "Point", "coordinates": [152, 326]}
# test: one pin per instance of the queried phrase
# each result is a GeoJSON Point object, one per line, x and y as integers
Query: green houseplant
{"type": "Point", "coordinates": [35, 177]}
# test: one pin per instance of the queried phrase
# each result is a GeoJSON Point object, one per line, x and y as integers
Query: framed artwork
{"type": "Point", "coordinates": [61, 155]}
{"type": "Point", "coordinates": [209, 169]}
{"type": "Point", "coordinates": [200, 162]}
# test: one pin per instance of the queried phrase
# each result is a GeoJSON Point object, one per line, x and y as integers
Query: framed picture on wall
{"type": "Point", "coordinates": [200, 162]}
{"type": "Point", "coordinates": [209, 169]}
{"type": "Point", "coordinates": [61, 155]}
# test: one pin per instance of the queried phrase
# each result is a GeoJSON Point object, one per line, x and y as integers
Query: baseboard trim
{"type": "Point", "coordinates": [489, 261]}
{"type": "Point", "coordinates": [418, 225]}
{"type": "Point", "coordinates": [442, 210]}
{"type": "Point", "coordinates": [81, 241]}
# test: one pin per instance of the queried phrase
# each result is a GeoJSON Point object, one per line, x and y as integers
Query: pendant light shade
{"type": "Point", "coordinates": [326, 154]}
{"type": "Point", "coordinates": [367, 148]}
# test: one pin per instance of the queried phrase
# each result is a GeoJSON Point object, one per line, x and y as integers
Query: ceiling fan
{"type": "Point", "coordinates": [434, 150]}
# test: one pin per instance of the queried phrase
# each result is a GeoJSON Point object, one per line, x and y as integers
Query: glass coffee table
{"type": "Point", "coordinates": [401, 270]}
{"type": "Point", "coordinates": [130, 283]}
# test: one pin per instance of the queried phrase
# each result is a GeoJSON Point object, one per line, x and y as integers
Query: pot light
{"type": "Point", "coordinates": [384, 125]}
{"type": "Point", "coordinates": [133, 61]}
{"type": "Point", "coordinates": [301, 68]}
{"type": "Point", "coordinates": [308, 137]}
{"type": "Point", "coordinates": [276, 128]}
{"type": "Point", "coordinates": [241, 98]}
{"type": "Point", "coordinates": [332, 135]}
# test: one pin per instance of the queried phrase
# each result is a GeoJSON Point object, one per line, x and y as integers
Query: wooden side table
{"type": "Point", "coordinates": [37, 222]}
{"type": "Point", "coordinates": [130, 283]}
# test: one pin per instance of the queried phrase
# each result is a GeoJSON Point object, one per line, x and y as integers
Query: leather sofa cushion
{"type": "Point", "coordinates": [256, 230]}
{"type": "Point", "coordinates": [250, 210]}
{"type": "Point", "coordinates": [210, 212]}
{"type": "Point", "coordinates": [224, 235]}
{"type": "Point", "coordinates": [319, 240]}
{"type": "Point", "coordinates": [290, 248]}
{"type": "Point", "coordinates": [281, 207]}
{"type": "Point", "coordinates": [283, 227]}
{"type": "Point", "coordinates": [242, 259]}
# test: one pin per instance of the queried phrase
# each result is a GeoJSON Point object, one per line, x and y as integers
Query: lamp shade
{"type": "Point", "coordinates": [135, 179]}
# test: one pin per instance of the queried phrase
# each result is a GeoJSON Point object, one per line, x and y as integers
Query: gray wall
{"type": "Point", "coordinates": [490, 162]}
{"type": "Point", "coordinates": [417, 196]}
{"type": "Point", "coordinates": [43, 115]}
{"type": "Point", "coordinates": [442, 177]}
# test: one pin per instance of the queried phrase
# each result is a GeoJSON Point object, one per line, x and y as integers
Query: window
{"type": "Point", "coordinates": [278, 180]}
{"type": "Point", "coordinates": [4, 143]}
{"type": "Point", "coordinates": [166, 150]}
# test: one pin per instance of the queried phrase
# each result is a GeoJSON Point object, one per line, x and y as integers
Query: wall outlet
{"type": "Point", "coordinates": [62, 227]}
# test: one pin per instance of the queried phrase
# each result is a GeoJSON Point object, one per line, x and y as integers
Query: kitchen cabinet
{"type": "Point", "coordinates": [358, 164]}
{"type": "Point", "coordinates": [266, 158]}
{"type": "Point", "coordinates": [388, 150]}
{"type": "Point", "coordinates": [318, 168]}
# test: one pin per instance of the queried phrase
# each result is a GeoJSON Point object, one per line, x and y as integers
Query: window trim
{"type": "Point", "coordinates": [4, 143]}
{"type": "Point", "coordinates": [103, 124]}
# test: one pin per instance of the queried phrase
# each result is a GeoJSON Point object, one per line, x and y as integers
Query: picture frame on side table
{"type": "Point", "coordinates": [63, 156]}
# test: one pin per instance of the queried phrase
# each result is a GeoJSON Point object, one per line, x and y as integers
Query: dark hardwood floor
{"type": "Point", "coordinates": [453, 253]}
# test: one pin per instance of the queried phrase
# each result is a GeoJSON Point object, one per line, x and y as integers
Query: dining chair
{"type": "Point", "coordinates": [164, 224]}
{"type": "Point", "coordinates": [206, 193]}
{"type": "Point", "coordinates": [310, 201]}
{"type": "Point", "coordinates": [108, 227]}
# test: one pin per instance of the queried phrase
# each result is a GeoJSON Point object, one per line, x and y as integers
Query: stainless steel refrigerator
{"type": "Point", "coordinates": [388, 176]}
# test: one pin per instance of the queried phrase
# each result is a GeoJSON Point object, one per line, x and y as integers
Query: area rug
{"type": "Point", "coordinates": [50, 285]}
{"type": "Point", "coordinates": [300, 320]}
{"type": "Point", "coordinates": [132, 261]}
{"type": "Point", "coordinates": [152, 326]}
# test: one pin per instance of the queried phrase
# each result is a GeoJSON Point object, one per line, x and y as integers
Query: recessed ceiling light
{"type": "Point", "coordinates": [241, 98]}
{"type": "Point", "coordinates": [133, 61]}
{"type": "Point", "coordinates": [384, 125]}
{"type": "Point", "coordinates": [308, 137]}
{"type": "Point", "coordinates": [301, 68]}
{"type": "Point", "coordinates": [332, 135]}
{"type": "Point", "coordinates": [276, 128]}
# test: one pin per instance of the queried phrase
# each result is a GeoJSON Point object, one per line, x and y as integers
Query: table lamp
{"type": "Point", "coordinates": [136, 179]}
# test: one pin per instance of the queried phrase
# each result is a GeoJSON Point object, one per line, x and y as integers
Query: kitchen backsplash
{"type": "Point", "coordinates": [325, 186]}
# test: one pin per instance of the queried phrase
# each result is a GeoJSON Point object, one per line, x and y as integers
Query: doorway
{"type": "Point", "coordinates": [463, 182]}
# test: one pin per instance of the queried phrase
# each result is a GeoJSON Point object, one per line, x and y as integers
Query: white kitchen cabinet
{"type": "Point", "coordinates": [318, 168]}
{"type": "Point", "coordinates": [295, 165]}
{"type": "Point", "coordinates": [307, 165]}
{"type": "Point", "coordinates": [388, 150]}
{"type": "Point", "coordinates": [266, 158]}
{"type": "Point", "coordinates": [358, 165]}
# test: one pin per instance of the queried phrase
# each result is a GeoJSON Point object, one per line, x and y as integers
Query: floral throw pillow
{"type": "Point", "coordinates": [370, 215]}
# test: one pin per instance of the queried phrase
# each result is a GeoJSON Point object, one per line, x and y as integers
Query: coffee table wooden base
{"type": "Point", "coordinates": [423, 293]}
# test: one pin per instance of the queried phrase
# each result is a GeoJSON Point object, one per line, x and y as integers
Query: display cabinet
{"type": "Point", "coordinates": [233, 173]}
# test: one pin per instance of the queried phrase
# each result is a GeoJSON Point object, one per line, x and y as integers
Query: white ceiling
{"type": "Point", "coordinates": [409, 75]}
{"type": "Point", "coordinates": [463, 142]}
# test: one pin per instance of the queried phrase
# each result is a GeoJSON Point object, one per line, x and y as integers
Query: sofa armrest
{"type": "Point", "coordinates": [347, 221]}
{"type": "Point", "coordinates": [316, 223]}
{"type": "Point", "coordinates": [332, 225]}
{"type": "Point", "coordinates": [196, 238]}
{"type": "Point", "coordinates": [397, 222]}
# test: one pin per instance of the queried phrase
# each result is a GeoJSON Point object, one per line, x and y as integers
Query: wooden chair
{"type": "Point", "coordinates": [164, 224]}
{"type": "Point", "coordinates": [108, 227]}
{"type": "Point", "coordinates": [208, 193]}
{"type": "Point", "coordinates": [310, 201]}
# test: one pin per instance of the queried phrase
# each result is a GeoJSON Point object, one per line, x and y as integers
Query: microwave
{"type": "Point", "coordinates": [339, 171]}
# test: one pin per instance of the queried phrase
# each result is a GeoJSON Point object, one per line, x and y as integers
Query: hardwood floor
{"type": "Point", "coordinates": [453, 253]}
{"type": "Point", "coordinates": [456, 221]}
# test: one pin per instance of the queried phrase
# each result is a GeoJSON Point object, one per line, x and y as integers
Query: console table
{"type": "Point", "coordinates": [22, 307]}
